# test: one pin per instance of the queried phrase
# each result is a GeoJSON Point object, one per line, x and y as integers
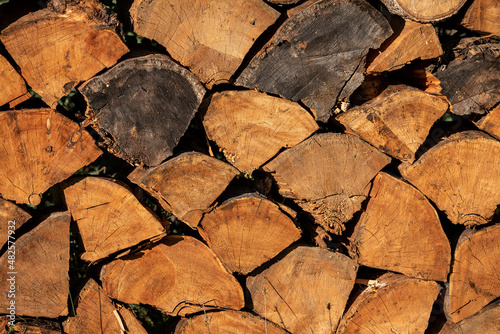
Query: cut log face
{"type": "Point", "coordinates": [12, 217]}
{"type": "Point", "coordinates": [211, 38]}
{"type": "Point", "coordinates": [186, 185]}
{"type": "Point", "coordinates": [268, 124]}
{"type": "Point", "coordinates": [485, 321]}
{"type": "Point", "coordinates": [491, 123]}
{"type": "Point", "coordinates": [109, 217]}
{"type": "Point", "coordinates": [474, 278]}
{"type": "Point", "coordinates": [180, 276]}
{"type": "Point", "coordinates": [394, 304]}
{"type": "Point", "coordinates": [306, 291]}
{"type": "Point", "coordinates": [461, 176]}
{"type": "Point", "coordinates": [13, 87]}
{"type": "Point", "coordinates": [318, 55]}
{"type": "Point", "coordinates": [397, 121]}
{"type": "Point", "coordinates": [247, 231]}
{"type": "Point", "coordinates": [483, 16]}
{"type": "Point", "coordinates": [43, 148]}
{"type": "Point", "coordinates": [328, 175]}
{"type": "Point", "coordinates": [144, 113]}
{"type": "Point", "coordinates": [69, 48]}
{"type": "Point", "coordinates": [400, 231]}
{"type": "Point", "coordinates": [424, 10]}
{"type": "Point", "coordinates": [40, 270]}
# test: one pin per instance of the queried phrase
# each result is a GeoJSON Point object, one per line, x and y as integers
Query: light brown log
{"type": "Point", "coordinates": [483, 16]}
{"type": "Point", "coordinates": [109, 217]}
{"type": "Point", "coordinates": [13, 87]}
{"type": "Point", "coordinates": [43, 148]}
{"type": "Point", "coordinates": [485, 321]}
{"type": "Point", "coordinates": [424, 10]}
{"type": "Point", "coordinates": [186, 185]}
{"type": "Point", "coordinates": [251, 127]}
{"type": "Point", "coordinates": [306, 291]}
{"type": "Point", "coordinates": [10, 215]}
{"type": "Point", "coordinates": [491, 122]}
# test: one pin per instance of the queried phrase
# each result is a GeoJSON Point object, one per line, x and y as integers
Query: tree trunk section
{"type": "Point", "coordinates": [483, 16]}
{"type": "Point", "coordinates": [485, 321]}
{"type": "Point", "coordinates": [491, 122]}
{"type": "Point", "coordinates": [424, 10]}
{"type": "Point", "coordinates": [12, 218]}
{"type": "Point", "coordinates": [13, 87]}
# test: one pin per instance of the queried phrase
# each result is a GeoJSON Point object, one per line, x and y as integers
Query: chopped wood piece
{"type": "Point", "coordinates": [29, 326]}
{"type": "Point", "coordinates": [424, 10]}
{"type": "Point", "coordinates": [395, 304]}
{"type": "Point", "coordinates": [109, 217]}
{"type": "Point", "coordinates": [37, 280]}
{"type": "Point", "coordinates": [209, 37]}
{"type": "Point", "coordinates": [460, 175]}
{"type": "Point", "coordinates": [474, 277]}
{"type": "Point", "coordinates": [186, 185]}
{"type": "Point", "coordinates": [485, 321]}
{"type": "Point", "coordinates": [246, 231]}
{"type": "Point", "coordinates": [483, 16]}
{"type": "Point", "coordinates": [251, 127]}
{"type": "Point", "coordinates": [318, 54]}
{"type": "Point", "coordinates": [491, 122]}
{"type": "Point", "coordinates": [144, 105]}
{"type": "Point", "coordinates": [12, 218]}
{"type": "Point", "coordinates": [44, 148]}
{"type": "Point", "coordinates": [400, 231]}
{"type": "Point", "coordinates": [397, 121]}
{"type": "Point", "coordinates": [69, 47]}
{"type": "Point", "coordinates": [328, 175]}
{"type": "Point", "coordinates": [306, 291]}
{"type": "Point", "coordinates": [179, 276]}
{"type": "Point", "coordinates": [13, 86]}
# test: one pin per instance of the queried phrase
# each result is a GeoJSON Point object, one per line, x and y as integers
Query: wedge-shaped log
{"type": "Point", "coordinates": [179, 276]}
{"type": "Point", "coordinates": [13, 87]}
{"type": "Point", "coordinates": [328, 175]}
{"type": "Point", "coordinates": [397, 121]}
{"type": "Point", "coordinates": [251, 127]}
{"type": "Point", "coordinates": [483, 16]}
{"type": "Point", "coordinates": [43, 148]}
{"type": "Point", "coordinates": [12, 217]}
{"type": "Point", "coordinates": [109, 217]}
{"type": "Point", "coordinates": [318, 55]}
{"type": "Point", "coordinates": [460, 175]}
{"type": "Point", "coordinates": [424, 10]}
{"type": "Point", "coordinates": [491, 122]}
{"type": "Point", "coordinates": [485, 321]}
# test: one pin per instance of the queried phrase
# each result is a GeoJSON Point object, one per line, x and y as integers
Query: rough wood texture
{"type": "Point", "coordinates": [179, 276]}
{"type": "Point", "coordinates": [400, 223]}
{"type": "Point", "coordinates": [328, 175]}
{"type": "Point", "coordinates": [209, 37]}
{"type": "Point", "coordinates": [186, 185]}
{"type": "Point", "coordinates": [251, 127]}
{"type": "Point", "coordinates": [424, 10]}
{"type": "Point", "coordinates": [483, 16]}
{"type": "Point", "coordinates": [109, 217]}
{"type": "Point", "coordinates": [143, 105]}
{"type": "Point", "coordinates": [395, 304]}
{"type": "Point", "coordinates": [31, 327]}
{"type": "Point", "coordinates": [69, 47]}
{"type": "Point", "coordinates": [44, 148]}
{"type": "Point", "coordinates": [461, 176]}
{"type": "Point", "coordinates": [10, 215]}
{"type": "Point", "coordinates": [246, 231]}
{"type": "Point", "coordinates": [40, 269]}
{"type": "Point", "coordinates": [485, 321]}
{"type": "Point", "coordinates": [13, 87]}
{"type": "Point", "coordinates": [284, 2]}
{"type": "Point", "coordinates": [318, 54]}
{"type": "Point", "coordinates": [474, 277]}
{"type": "Point", "coordinates": [491, 122]}
{"type": "Point", "coordinates": [397, 122]}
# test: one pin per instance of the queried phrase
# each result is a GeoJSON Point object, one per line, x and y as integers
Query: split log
{"type": "Point", "coordinates": [12, 218]}
{"type": "Point", "coordinates": [424, 10]}
{"type": "Point", "coordinates": [43, 148]}
{"type": "Point", "coordinates": [69, 47]}
{"type": "Point", "coordinates": [211, 38]}
{"type": "Point", "coordinates": [400, 231]}
{"type": "Point", "coordinates": [180, 276]}
{"type": "Point", "coordinates": [394, 304]}
{"type": "Point", "coordinates": [318, 54]}
{"type": "Point", "coordinates": [35, 274]}
{"type": "Point", "coordinates": [31, 326]}
{"type": "Point", "coordinates": [328, 175]}
{"type": "Point", "coordinates": [251, 127]}
{"type": "Point", "coordinates": [306, 291]}
{"type": "Point", "coordinates": [474, 277]}
{"type": "Point", "coordinates": [13, 87]}
{"type": "Point", "coordinates": [397, 121]}
{"type": "Point", "coordinates": [491, 122]}
{"type": "Point", "coordinates": [144, 105]}
{"type": "Point", "coordinates": [460, 175]}
{"type": "Point", "coordinates": [483, 16]}
{"type": "Point", "coordinates": [109, 217]}
{"type": "Point", "coordinates": [485, 321]}
{"type": "Point", "coordinates": [246, 231]}
{"type": "Point", "coordinates": [186, 185]}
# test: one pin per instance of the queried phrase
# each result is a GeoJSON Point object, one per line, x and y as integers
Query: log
{"type": "Point", "coordinates": [328, 175]}
{"type": "Point", "coordinates": [483, 16]}
{"type": "Point", "coordinates": [491, 122]}
{"type": "Point", "coordinates": [304, 292]}
{"type": "Point", "coordinates": [318, 54]}
{"type": "Point", "coordinates": [12, 218]}
{"type": "Point", "coordinates": [268, 124]}
{"type": "Point", "coordinates": [186, 185]}
{"type": "Point", "coordinates": [397, 122]}
{"type": "Point", "coordinates": [141, 113]}
{"type": "Point", "coordinates": [180, 276]}
{"type": "Point", "coordinates": [14, 89]}
{"type": "Point", "coordinates": [284, 2]}
{"type": "Point", "coordinates": [69, 47]}
{"type": "Point", "coordinates": [400, 223]}
{"type": "Point", "coordinates": [246, 231]}
{"type": "Point", "coordinates": [109, 217]}
{"type": "Point", "coordinates": [394, 304]}
{"type": "Point", "coordinates": [474, 276]}
{"type": "Point", "coordinates": [210, 38]}
{"type": "Point", "coordinates": [424, 10]}
{"type": "Point", "coordinates": [460, 175]}
{"type": "Point", "coordinates": [31, 326]}
{"type": "Point", "coordinates": [485, 321]}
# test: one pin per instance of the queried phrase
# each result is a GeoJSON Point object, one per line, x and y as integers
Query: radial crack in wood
{"type": "Point", "coordinates": [483, 16]}
{"type": "Point", "coordinates": [485, 321]}
{"type": "Point", "coordinates": [424, 10]}
{"type": "Point", "coordinates": [12, 218]}
{"type": "Point", "coordinates": [13, 87]}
